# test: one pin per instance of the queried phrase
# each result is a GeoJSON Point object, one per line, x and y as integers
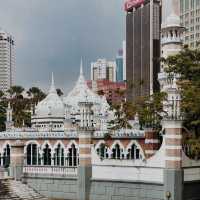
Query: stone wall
{"type": "Point", "coordinates": [66, 188]}
{"type": "Point", "coordinates": [53, 186]}
{"type": "Point", "coordinates": [117, 190]}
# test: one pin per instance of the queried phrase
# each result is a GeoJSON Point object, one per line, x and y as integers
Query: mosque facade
{"type": "Point", "coordinates": [65, 154]}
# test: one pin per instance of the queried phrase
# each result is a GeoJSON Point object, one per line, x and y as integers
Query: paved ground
{"type": "Point", "coordinates": [15, 190]}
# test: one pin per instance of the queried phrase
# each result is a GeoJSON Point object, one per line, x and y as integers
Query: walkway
{"type": "Point", "coordinates": [15, 190]}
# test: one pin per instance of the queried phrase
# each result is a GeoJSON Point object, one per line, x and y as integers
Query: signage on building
{"type": "Point", "coordinates": [129, 4]}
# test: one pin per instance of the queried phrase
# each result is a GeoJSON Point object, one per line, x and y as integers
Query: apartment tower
{"type": "Point", "coordinates": [7, 60]}
{"type": "Point", "coordinates": [190, 19]}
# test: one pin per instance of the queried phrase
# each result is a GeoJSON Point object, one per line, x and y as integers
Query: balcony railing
{"type": "Point", "coordinates": [50, 170]}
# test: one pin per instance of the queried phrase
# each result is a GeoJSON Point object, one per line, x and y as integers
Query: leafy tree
{"type": "Point", "coordinates": [187, 65]}
{"type": "Point", "coordinates": [1, 93]}
{"type": "Point", "coordinates": [148, 108]}
{"type": "Point", "coordinates": [2, 115]}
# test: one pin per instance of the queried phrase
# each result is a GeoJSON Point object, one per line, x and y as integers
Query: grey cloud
{"type": "Point", "coordinates": [53, 35]}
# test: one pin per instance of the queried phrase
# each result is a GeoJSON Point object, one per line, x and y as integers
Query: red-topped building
{"type": "Point", "coordinates": [109, 89]}
{"type": "Point", "coordinates": [130, 4]}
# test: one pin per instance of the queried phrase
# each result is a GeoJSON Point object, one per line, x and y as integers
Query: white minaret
{"type": "Point", "coordinates": [9, 120]}
{"type": "Point", "coordinates": [171, 44]}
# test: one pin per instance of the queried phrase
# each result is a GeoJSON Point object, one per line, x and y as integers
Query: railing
{"type": "Point", "coordinates": [51, 170]}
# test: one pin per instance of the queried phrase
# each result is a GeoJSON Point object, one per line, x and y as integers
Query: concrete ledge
{"type": "Point", "coordinates": [48, 176]}
{"type": "Point", "coordinates": [127, 181]}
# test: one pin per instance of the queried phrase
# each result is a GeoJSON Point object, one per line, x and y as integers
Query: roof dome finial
{"type": "Point", "coordinates": [81, 67]}
{"type": "Point", "coordinates": [52, 88]}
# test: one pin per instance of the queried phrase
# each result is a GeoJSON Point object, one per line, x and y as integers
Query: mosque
{"type": "Point", "coordinates": [53, 137]}
{"type": "Point", "coordinates": [65, 154]}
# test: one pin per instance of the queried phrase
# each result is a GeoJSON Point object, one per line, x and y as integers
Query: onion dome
{"type": "Point", "coordinates": [52, 106]}
{"type": "Point", "coordinates": [81, 92]}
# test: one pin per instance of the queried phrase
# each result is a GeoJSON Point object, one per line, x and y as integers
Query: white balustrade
{"type": "Point", "coordinates": [50, 170]}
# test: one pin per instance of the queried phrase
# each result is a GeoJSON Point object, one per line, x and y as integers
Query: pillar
{"type": "Point", "coordinates": [152, 143]}
{"type": "Point", "coordinates": [17, 160]}
{"type": "Point", "coordinates": [85, 160]}
{"type": "Point", "coordinates": [173, 172]}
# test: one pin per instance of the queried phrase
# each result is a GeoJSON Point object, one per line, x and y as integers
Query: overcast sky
{"type": "Point", "coordinates": [52, 35]}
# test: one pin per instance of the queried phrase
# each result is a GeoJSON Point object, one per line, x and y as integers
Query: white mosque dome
{"type": "Point", "coordinates": [51, 106]}
{"type": "Point", "coordinates": [81, 92]}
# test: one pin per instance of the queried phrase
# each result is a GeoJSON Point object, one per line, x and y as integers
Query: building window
{"type": "Point", "coordinates": [47, 155]}
{"type": "Point", "coordinates": [133, 152]}
{"type": "Point", "coordinates": [32, 154]}
{"type": "Point", "coordinates": [6, 156]}
{"type": "Point", "coordinates": [116, 152]}
{"type": "Point", "coordinates": [59, 156]}
{"type": "Point", "coordinates": [72, 156]}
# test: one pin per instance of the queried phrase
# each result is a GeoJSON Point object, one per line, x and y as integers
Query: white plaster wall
{"type": "Point", "coordinates": [192, 174]}
{"type": "Point", "coordinates": [150, 170]}
{"type": "Point", "coordinates": [128, 173]}
{"type": "Point", "coordinates": [187, 162]}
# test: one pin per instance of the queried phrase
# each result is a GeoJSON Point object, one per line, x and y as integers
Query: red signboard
{"type": "Point", "coordinates": [129, 4]}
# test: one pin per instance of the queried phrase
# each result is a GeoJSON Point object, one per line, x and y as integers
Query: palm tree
{"type": "Point", "coordinates": [15, 91]}
{"type": "Point", "coordinates": [36, 95]}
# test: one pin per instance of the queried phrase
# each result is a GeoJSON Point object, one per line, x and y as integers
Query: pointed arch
{"type": "Point", "coordinates": [99, 144]}
{"type": "Point", "coordinates": [5, 155]}
{"type": "Point", "coordinates": [117, 142]}
{"type": "Point", "coordinates": [70, 144]}
{"type": "Point", "coordinates": [134, 150]}
{"type": "Point", "coordinates": [58, 153]}
{"type": "Point", "coordinates": [118, 150]}
{"type": "Point", "coordinates": [45, 143]}
{"type": "Point", "coordinates": [31, 151]}
{"type": "Point", "coordinates": [101, 149]}
{"type": "Point", "coordinates": [31, 142]}
{"type": "Point", "coordinates": [72, 154]}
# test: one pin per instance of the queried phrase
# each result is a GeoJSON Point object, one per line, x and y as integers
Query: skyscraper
{"type": "Point", "coordinates": [103, 70]}
{"type": "Point", "coordinates": [119, 66]}
{"type": "Point", "coordinates": [7, 60]}
{"type": "Point", "coordinates": [142, 46]}
{"type": "Point", "coordinates": [190, 18]}
{"type": "Point", "coordinates": [124, 60]}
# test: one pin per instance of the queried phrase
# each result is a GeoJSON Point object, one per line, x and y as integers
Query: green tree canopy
{"type": "Point", "coordinates": [187, 65]}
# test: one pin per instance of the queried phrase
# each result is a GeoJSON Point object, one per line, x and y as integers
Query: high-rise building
{"type": "Point", "coordinates": [103, 70]}
{"type": "Point", "coordinates": [190, 18]}
{"type": "Point", "coordinates": [109, 89]}
{"type": "Point", "coordinates": [119, 66]}
{"type": "Point", "coordinates": [142, 46]}
{"type": "Point", "coordinates": [7, 60]}
{"type": "Point", "coordinates": [124, 60]}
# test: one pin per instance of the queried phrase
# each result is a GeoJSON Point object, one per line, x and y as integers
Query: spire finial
{"type": "Point", "coordinates": [52, 88]}
{"type": "Point", "coordinates": [81, 67]}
